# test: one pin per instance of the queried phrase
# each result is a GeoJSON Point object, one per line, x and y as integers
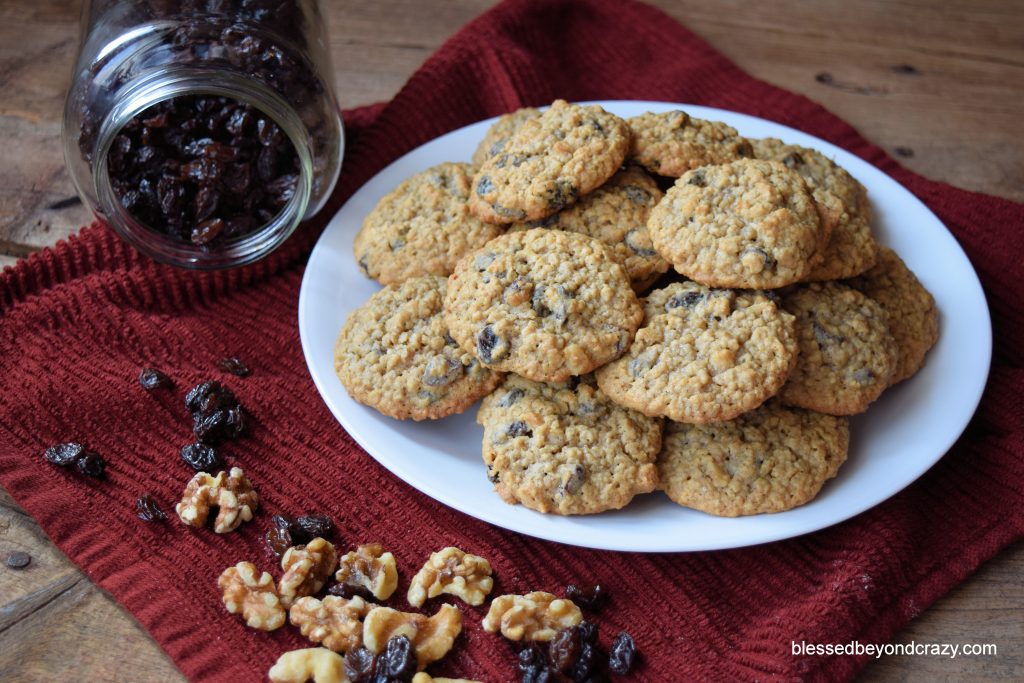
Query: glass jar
{"type": "Point", "coordinates": [203, 131]}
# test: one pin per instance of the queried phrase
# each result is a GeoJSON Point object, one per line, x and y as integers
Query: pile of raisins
{"type": "Point", "coordinates": [78, 456]}
{"type": "Point", "coordinates": [286, 531]}
{"type": "Point", "coordinates": [205, 169]}
{"type": "Point", "coordinates": [216, 413]}
{"type": "Point", "coordinates": [396, 664]}
{"type": "Point", "coordinates": [574, 655]}
{"type": "Point", "coordinates": [202, 169]}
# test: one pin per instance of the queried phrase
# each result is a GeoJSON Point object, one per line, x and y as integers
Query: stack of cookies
{"type": "Point", "coordinates": [525, 279]}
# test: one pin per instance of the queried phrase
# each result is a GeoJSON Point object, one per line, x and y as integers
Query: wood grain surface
{"type": "Point", "coordinates": [938, 84]}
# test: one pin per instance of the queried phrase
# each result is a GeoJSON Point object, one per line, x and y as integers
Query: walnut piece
{"type": "Point", "coordinates": [253, 595]}
{"type": "Point", "coordinates": [316, 663]}
{"type": "Point", "coordinates": [534, 616]}
{"type": "Point", "coordinates": [424, 677]}
{"type": "Point", "coordinates": [371, 568]}
{"type": "Point", "coordinates": [231, 493]}
{"type": "Point", "coordinates": [452, 571]}
{"type": "Point", "coordinates": [306, 568]}
{"type": "Point", "coordinates": [335, 623]}
{"type": "Point", "coordinates": [431, 636]}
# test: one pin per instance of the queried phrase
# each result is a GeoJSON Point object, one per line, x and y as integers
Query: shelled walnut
{"type": "Point", "coordinates": [335, 623]}
{"type": "Point", "coordinates": [315, 663]}
{"type": "Point", "coordinates": [231, 493]}
{"type": "Point", "coordinates": [371, 568]}
{"type": "Point", "coordinates": [432, 636]}
{"type": "Point", "coordinates": [534, 616]}
{"type": "Point", "coordinates": [452, 571]}
{"type": "Point", "coordinates": [306, 568]}
{"type": "Point", "coordinates": [252, 595]}
{"type": "Point", "coordinates": [237, 501]}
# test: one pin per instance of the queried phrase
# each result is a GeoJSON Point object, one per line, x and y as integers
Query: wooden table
{"type": "Point", "coordinates": [938, 84]}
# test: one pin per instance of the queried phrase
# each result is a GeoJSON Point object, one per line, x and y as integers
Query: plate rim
{"type": "Point", "coordinates": [781, 533]}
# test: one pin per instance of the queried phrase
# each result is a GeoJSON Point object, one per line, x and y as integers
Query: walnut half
{"type": "Point", "coordinates": [316, 663]}
{"type": "Point", "coordinates": [432, 637]}
{"type": "Point", "coordinates": [452, 571]}
{"type": "Point", "coordinates": [252, 595]}
{"type": "Point", "coordinates": [334, 622]}
{"type": "Point", "coordinates": [231, 493]}
{"type": "Point", "coordinates": [534, 616]}
{"type": "Point", "coordinates": [306, 568]}
{"type": "Point", "coordinates": [371, 568]}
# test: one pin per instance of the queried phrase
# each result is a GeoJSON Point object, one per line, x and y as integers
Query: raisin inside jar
{"type": "Point", "coordinates": [203, 169]}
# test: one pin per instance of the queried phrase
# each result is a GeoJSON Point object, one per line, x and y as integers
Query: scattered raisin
{"type": "Point", "coordinates": [588, 632]}
{"type": "Point", "coordinates": [152, 379]}
{"type": "Point", "coordinates": [279, 536]}
{"type": "Point", "coordinates": [623, 654]}
{"type": "Point", "coordinates": [398, 659]}
{"type": "Point", "coordinates": [591, 598]}
{"type": "Point", "coordinates": [148, 510]}
{"type": "Point", "coordinates": [564, 649]}
{"type": "Point", "coordinates": [17, 560]}
{"type": "Point", "coordinates": [234, 366]}
{"type": "Point", "coordinates": [348, 591]}
{"type": "Point", "coordinates": [216, 414]}
{"type": "Point", "coordinates": [313, 526]}
{"type": "Point", "coordinates": [91, 464]}
{"type": "Point", "coordinates": [201, 458]}
{"type": "Point", "coordinates": [64, 454]}
{"type": "Point", "coordinates": [360, 665]}
{"type": "Point", "coordinates": [209, 396]}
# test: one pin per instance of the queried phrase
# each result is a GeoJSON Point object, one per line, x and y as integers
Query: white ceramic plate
{"type": "Point", "coordinates": [892, 444]}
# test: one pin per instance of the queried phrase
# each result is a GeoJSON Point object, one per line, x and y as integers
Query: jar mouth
{"type": "Point", "coordinates": [233, 251]}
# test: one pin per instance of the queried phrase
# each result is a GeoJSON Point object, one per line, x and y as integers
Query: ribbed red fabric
{"type": "Point", "coordinates": [81, 319]}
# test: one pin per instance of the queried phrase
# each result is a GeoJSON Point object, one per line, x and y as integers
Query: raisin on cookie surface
{"type": "Point", "coordinates": [546, 304]}
{"type": "Point", "coordinates": [747, 224]}
{"type": "Point", "coordinates": [550, 162]}
{"type": "Point", "coordinates": [912, 314]}
{"type": "Point", "coordinates": [672, 143]}
{"type": "Point", "coordinates": [847, 354]}
{"type": "Point", "coordinates": [703, 355]}
{"type": "Point", "coordinates": [565, 448]}
{"type": "Point", "coordinates": [423, 227]}
{"type": "Point", "coordinates": [394, 354]}
{"type": "Point", "coordinates": [616, 213]}
{"type": "Point", "coordinates": [771, 459]}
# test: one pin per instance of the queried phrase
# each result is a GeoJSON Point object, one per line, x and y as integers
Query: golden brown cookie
{"type": "Point", "coordinates": [847, 354]}
{"type": "Point", "coordinates": [748, 224]}
{"type": "Point", "coordinates": [423, 227]}
{"type": "Point", "coordinates": [394, 354]}
{"type": "Point", "coordinates": [566, 448]}
{"type": "Point", "coordinates": [499, 133]}
{"type": "Point", "coordinates": [616, 213]}
{"type": "Point", "coordinates": [549, 163]}
{"type": "Point", "coordinates": [912, 315]}
{"type": "Point", "coordinates": [852, 249]}
{"type": "Point", "coordinates": [768, 460]}
{"type": "Point", "coordinates": [672, 143]}
{"type": "Point", "coordinates": [545, 304]}
{"type": "Point", "coordinates": [709, 356]}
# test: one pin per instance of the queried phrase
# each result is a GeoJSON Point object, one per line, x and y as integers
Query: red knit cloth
{"type": "Point", "coordinates": [80, 320]}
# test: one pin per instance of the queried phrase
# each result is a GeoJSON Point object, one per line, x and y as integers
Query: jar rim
{"type": "Point", "coordinates": [170, 83]}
